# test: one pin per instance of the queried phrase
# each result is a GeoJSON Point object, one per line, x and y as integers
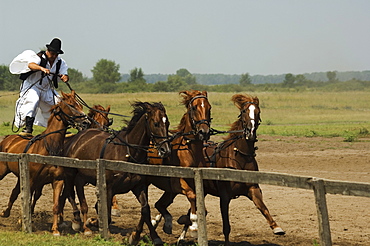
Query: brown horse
{"type": "Point", "coordinates": [50, 142]}
{"type": "Point", "coordinates": [237, 151]}
{"type": "Point", "coordinates": [149, 124]}
{"type": "Point", "coordinates": [98, 117]}
{"type": "Point", "coordinates": [187, 151]}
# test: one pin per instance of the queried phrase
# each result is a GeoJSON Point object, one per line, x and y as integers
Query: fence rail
{"type": "Point", "coordinates": [321, 187]}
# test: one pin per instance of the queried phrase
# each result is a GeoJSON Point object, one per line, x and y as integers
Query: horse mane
{"type": "Point", "coordinates": [239, 101]}
{"type": "Point", "coordinates": [187, 96]}
{"type": "Point", "coordinates": [140, 108]}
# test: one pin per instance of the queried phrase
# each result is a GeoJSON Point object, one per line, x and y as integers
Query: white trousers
{"type": "Point", "coordinates": [35, 102]}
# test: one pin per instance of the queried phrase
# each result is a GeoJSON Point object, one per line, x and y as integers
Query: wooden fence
{"type": "Point", "coordinates": [320, 186]}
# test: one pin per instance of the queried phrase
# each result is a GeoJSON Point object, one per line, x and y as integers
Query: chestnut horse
{"type": "Point", "coordinates": [237, 151]}
{"type": "Point", "coordinates": [187, 151]}
{"type": "Point", "coordinates": [50, 142]}
{"type": "Point", "coordinates": [149, 124]}
{"type": "Point", "coordinates": [98, 117]}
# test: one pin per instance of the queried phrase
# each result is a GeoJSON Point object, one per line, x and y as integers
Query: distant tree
{"type": "Point", "coordinates": [76, 76]}
{"type": "Point", "coordinates": [289, 80]}
{"type": "Point", "coordinates": [137, 76]}
{"type": "Point", "coordinates": [8, 81]}
{"type": "Point", "coordinates": [245, 79]}
{"type": "Point", "coordinates": [106, 71]}
{"type": "Point", "coordinates": [332, 76]}
{"type": "Point", "coordinates": [300, 79]}
{"type": "Point", "coordinates": [187, 77]}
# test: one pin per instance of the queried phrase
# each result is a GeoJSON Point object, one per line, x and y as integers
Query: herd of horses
{"type": "Point", "coordinates": [145, 139]}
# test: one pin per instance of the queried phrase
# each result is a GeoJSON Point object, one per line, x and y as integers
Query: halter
{"type": "Point", "coordinates": [191, 110]}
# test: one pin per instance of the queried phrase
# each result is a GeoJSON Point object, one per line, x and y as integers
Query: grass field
{"type": "Point", "coordinates": [328, 114]}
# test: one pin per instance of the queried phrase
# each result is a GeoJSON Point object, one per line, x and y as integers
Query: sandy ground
{"type": "Point", "coordinates": [293, 209]}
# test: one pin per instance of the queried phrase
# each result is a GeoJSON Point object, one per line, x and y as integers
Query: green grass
{"type": "Point", "coordinates": [20, 238]}
{"type": "Point", "coordinates": [309, 114]}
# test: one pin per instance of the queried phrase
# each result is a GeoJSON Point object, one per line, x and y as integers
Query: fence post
{"type": "Point", "coordinates": [101, 194]}
{"type": "Point", "coordinates": [322, 212]}
{"type": "Point", "coordinates": [24, 176]}
{"type": "Point", "coordinates": [201, 214]}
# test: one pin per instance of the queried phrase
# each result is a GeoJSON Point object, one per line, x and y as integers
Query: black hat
{"type": "Point", "coordinates": [55, 46]}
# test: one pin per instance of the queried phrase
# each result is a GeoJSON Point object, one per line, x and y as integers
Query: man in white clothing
{"type": "Point", "coordinates": [40, 73]}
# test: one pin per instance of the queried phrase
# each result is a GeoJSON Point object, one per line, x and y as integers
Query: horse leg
{"type": "Point", "coordinates": [224, 207]}
{"type": "Point", "coordinates": [161, 205]}
{"type": "Point", "coordinates": [57, 190]}
{"type": "Point", "coordinates": [141, 193]}
{"type": "Point", "coordinates": [69, 193]}
{"type": "Point", "coordinates": [190, 194]}
{"type": "Point", "coordinates": [36, 196]}
{"type": "Point", "coordinates": [83, 205]}
{"type": "Point", "coordinates": [12, 198]}
{"type": "Point", "coordinates": [255, 194]}
{"type": "Point", "coordinates": [115, 207]}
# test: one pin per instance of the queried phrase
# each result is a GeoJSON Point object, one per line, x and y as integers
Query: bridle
{"type": "Point", "coordinates": [191, 110]}
{"type": "Point", "coordinates": [246, 130]}
{"type": "Point", "coordinates": [68, 120]}
{"type": "Point", "coordinates": [128, 145]}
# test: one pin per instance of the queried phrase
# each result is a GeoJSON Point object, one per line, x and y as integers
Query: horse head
{"type": "Point", "coordinates": [98, 116]}
{"type": "Point", "coordinates": [199, 112]}
{"type": "Point", "coordinates": [249, 115]}
{"type": "Point", "coordinates": [70, 111]}
{"type": "Point", "coordinates": [155, 120]}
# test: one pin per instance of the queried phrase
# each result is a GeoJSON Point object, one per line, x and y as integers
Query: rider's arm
{"type": "Point", "coordinates": [35, 67]}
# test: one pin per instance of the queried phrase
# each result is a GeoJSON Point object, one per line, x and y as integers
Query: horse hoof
{"type": "Point", "coordinates": [132, 240]}
{"type": "Point", "coordinates": [278, 231]}
{"type": "Point", "coordinates": [115, 212]}
{"type": "Point", "coordinates": [5, 214]}
{"type": "Point", "coordinates": [92, 222]}
{"type": "Point", "coordinates": [76, 226]}
{"type": "Point", "coordinates": [158, 241]}
{"type": "Point", "coordinates": [167, 227]}
{"type": "Point", "coordinates": [87, 232]}
{"type": "Point", "coordinates": [180, 242]}
{"type": "Point", "coordinates": [56, 233]}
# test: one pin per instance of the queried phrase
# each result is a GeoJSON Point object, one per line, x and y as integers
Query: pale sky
{"type": "Point", "coordinates": [204, 36]}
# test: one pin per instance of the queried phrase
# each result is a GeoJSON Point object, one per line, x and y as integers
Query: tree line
{"type": "Point", "coordinates": [107, 79]}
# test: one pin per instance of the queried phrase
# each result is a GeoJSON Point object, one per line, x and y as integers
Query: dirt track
{"type": "Point", "coordinates": [293, 209]}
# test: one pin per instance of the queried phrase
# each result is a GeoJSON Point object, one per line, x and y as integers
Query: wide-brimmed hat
{"type": "Point", "coordinates": [55, 45]}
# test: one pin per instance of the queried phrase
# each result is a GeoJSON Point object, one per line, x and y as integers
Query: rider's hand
{"type": "Point", "coordinates": [64, 77]}
{"type": "Point", "coordinates": [45, 70]}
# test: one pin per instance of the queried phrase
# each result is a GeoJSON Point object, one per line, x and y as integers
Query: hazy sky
{"type": "Point", "coordinates": [203, 36]}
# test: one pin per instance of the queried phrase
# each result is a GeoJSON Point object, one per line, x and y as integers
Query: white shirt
{"type": "Point", "coordinates": [20, 65]}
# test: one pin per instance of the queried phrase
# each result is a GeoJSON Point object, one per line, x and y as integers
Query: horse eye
{"type": "Point", "coordinates": [156, 124]}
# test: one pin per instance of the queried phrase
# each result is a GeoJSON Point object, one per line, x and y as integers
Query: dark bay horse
{"type": "Point", "coordinates": [50, 142]}
{"type": "Point", "coordinates": [237, 151]}
{"type": "Point", "coordinates": [187, 151]}
{"type": "Point", "coordinates": [148, 124]}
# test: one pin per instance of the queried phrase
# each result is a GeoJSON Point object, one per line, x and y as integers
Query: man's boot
{"type": "Point", "coordinates": [27, 131]}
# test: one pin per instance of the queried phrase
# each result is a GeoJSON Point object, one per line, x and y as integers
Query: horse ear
{"type": "Point", "coordinates": [205, 93]}
{"type": "Point", "coordinates": [63, 94]}
{"type": "Point", "coordinates": [256, 100]}
{"type": "Point", "coordinates": [73, 93]}
{"type": "Point", "coordinates": [108, 108]}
